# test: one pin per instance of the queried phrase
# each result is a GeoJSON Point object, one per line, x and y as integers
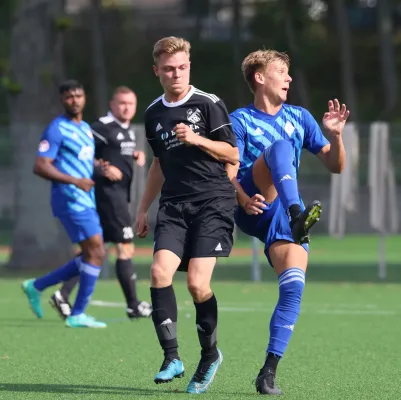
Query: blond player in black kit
{"type": "Point", "coordinates": [192, 141]}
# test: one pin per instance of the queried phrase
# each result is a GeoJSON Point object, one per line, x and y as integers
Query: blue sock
{"type": "Point", "coordinates": [279, 158]}
{"type": "Point", "coordinates": [61, 274]}
{"type": "Point", "coordinates": [89, 274]}
{"type": "Point", "coordinates": [291, 286]}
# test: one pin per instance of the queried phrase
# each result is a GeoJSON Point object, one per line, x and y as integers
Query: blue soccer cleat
{"type": "Point", "coordinates": [33, 297]}
{"type": "Point", "coordinates": [83, 321]}
{"type": "Point", "coordinates": [204, 375]}
{"type": "Point", "coordinates": [169, 370]}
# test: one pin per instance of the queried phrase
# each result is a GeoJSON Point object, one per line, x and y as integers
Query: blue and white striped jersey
{"type": "Point", "coordinates": [255, 131]}
{"type": "Point", "coordinates": [72, 147]}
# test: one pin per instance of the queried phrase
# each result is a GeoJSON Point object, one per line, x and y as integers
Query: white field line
{"type": "Point", "coordinates": [370, 309]}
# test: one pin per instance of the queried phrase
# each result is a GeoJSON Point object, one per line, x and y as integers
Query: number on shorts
{"type": "Point", "coordinates": [128, 232]}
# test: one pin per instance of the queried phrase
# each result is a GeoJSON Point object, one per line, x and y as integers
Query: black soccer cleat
{"type": "Point", "coordinates": [265, 383]}
{"type": "Point", "coordinates": [301, 224]}
{"type": "Point", "coordinates": [142, 310]}
{"type": "Point", "coordinates": [62, 306]}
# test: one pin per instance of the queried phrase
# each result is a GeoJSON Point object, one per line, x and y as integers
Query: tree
{"type": "Point", "coordinates": [98, 62]}
{"type": "Point", "coordinates": [36, 67]}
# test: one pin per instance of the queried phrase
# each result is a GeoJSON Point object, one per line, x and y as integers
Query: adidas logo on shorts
{"type": "Point", "coordinates": [218, 248]}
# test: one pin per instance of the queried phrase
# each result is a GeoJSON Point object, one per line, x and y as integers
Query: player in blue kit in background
{"type": "Point", "coordinates": [66, 157]}
{"type": "Point", "coordinates": [270, 137]}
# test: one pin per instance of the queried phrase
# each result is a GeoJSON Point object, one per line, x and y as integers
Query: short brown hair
{"type": "Point", "coordinates": [170, 45]}
{"type": "Point", "coordinates": [123, 90]}
{"type": "Point", "coordinates": [258, 60]}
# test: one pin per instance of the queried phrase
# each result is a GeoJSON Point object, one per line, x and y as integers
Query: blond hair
{"type": "Point", "coordinates": [259, 60]}
{"type": "Point", "coordinates": [170, 45]}
{"type": "Point", "coordinates": [123, 90]}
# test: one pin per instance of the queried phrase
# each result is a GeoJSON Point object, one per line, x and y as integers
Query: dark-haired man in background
{"type": "Point", "coordinates": [66, 157]}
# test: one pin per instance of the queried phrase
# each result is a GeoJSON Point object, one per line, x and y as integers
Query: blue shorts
{"type": "Point", "coordinates": [269, 227]}
{"type": "Point", "coordinates": [81, 225]}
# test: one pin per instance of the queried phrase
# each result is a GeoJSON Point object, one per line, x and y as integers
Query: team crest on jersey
{"type": "Point", "coordinates": [194, 116]}
{"type": "Point", "coordinates": [43, 146]}
{"type": "Point", "coordinates": [131, 134]}
{"type": "Point", "coordinates": [89, 133]}
{"type": "Point", "coordinates": [289, 128]}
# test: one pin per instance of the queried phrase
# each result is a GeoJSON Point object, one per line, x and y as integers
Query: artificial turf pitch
{"type": "Point", "coordinates": [346, 345]}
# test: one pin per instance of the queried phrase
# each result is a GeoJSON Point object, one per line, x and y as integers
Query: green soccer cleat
{"type": "Point", "coordinates": [83, 321]}
{"type": "Point", "coordinates": [33, 297]}
{"type": "Point", "coordinates": [301, 225]}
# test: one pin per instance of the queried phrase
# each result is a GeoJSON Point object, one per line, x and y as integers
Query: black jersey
{"type": "Point", "coordinates": [190, 173]}
{"type": "Point", "coordinates": [115, 142]}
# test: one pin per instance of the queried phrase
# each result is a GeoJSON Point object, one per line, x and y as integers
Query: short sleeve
{"type": "Point", "coordinates": [238, 126]}
{"type": "Point", "coordinates": [150, 132]}
{"type": "Point", "coordinates": [220, 128]}
{"type": "Point", "coordinates": [50, 142]}
{"type": "Point", "coordinates": [314, 140]}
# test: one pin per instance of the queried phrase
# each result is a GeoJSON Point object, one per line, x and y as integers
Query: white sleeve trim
{"type": "Point", "coordinates": [215, 129]}
{"type": "Point", "coordinates": [98, 135]}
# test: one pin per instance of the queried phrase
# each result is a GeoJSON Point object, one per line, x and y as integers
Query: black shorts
{"type": "Point", "coordinates": [115, 217]}
{"type": "Point", "coordinates": [196, 229]}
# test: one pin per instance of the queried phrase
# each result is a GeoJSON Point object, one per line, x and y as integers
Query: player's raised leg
{"type": "Point", "coordinates": [200, 272]}
{"type": "Point", "coordinates": [289, 261]}
{"type": "Point", "coordinates": [276, 164]}
{"type": "Point", "coordinates": [165, 264]}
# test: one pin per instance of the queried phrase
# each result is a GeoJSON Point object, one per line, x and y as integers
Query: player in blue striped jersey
{"type": "Point", "coordinates": [66, 157]}
{"type": "Point", "coordinates": [270, 137]}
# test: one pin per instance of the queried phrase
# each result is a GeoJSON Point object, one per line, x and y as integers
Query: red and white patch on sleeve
{"type": "Point", "coordinates": [43, 146]}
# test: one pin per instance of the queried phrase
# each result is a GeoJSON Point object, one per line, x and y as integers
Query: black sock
{"type": "Point", "coordinates": [68, 287]}
{"type": "Point", "coordinates": [293, 211]}
{"type": "Point", "coordinates": [164, 317]}
{"type": "Point", "coordinates": [127, 278]}
{"type": "Point", "coordinates": [271, 362]}
{"type": "Point", "coordinates": [206, 323]}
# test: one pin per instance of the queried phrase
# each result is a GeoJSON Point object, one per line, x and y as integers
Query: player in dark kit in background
{"type": "Point", "coordinates": [192, 140]}
{"type": "Point", "coordinates": [115, 143]}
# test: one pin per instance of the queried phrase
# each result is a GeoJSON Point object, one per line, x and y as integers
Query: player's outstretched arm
{"type": "Point", "coordinates": [221, 151]}
{"type": "Point", "coordinates": [153, 187]}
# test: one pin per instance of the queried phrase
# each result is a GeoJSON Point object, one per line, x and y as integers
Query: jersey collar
{"type": "Point", "coordinates": [122, 124]}
{"type": "Point", "coordinates": [180, 102]}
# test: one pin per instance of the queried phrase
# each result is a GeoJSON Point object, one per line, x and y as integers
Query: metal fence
{"type": "Point", "coordinates": [314, 182]}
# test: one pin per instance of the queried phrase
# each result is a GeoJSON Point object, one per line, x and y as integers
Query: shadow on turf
{"type": "Point", "coordinates": [92, 389]}
{"type": "Point", "coordinates": [80, 389]}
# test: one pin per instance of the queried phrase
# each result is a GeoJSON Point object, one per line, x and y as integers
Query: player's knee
{"type": "Point", "coordinates": [125, 251]}
{"type": "Point", "coordinates": [278, 152]}
{"type": "Point", "coordinates": [96, 254]}
{"type": "Point", "coordinates": [160, 276]}
{"type": "Point", "coordinates": [198, 290]}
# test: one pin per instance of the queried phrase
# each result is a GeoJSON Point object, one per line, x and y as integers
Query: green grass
{"type": "Point", "coordinates": [345, 346]}
{"type": "Point", "coordinates": [352, 259]}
